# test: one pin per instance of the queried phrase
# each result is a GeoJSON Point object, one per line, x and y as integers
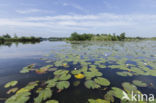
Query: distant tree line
{"type": "Point", "coordinates": [15, 38]}
{"type": "Point", "coordinates": [105, 37]}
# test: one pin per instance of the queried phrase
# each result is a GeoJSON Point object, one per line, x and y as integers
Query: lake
{"type": "Point", "coordinates": [77, 72]}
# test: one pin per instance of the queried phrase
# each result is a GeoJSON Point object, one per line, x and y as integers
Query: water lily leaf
{"type": "Point", "coordinates": [79, 76]}
{"type": "Point", "coordinates": [139, 83]}
{"type": "Point", "coordinates": [60, 72]}
{"type": "Point", "coordinates": [109, 96]}
{"type": "Point", "coordinates": [129, 87]}
{"type": "Point", "coordinates": [28, 87]}
{"type": "Point", "coordinates": [12, 90]}
{"type": "Point", "coordinates": [102, 81]}
{"type": "Point", "coordinates": [52, 69]}
{"type": "Point", "coordinates": [62, 85]}
{"type": "Point", "coordinates": [76, 72]}
{"type": "Point", "coordinates": [124, 74]}
{"type": "Point", "coordinates": [27, 68]}
{"type": "Point", "coordinates": [97, 101]}
{"type": "Point", "coordinates": [90, 84]}
{"type": "Point", "coordinates": [64, 77]}
{"type": "Point", "coordinates": [43, 95]}
{"type": "Point", "coordinates": [52, 101]}
{"type": "Point", "coordinates": [117, 92]}
{"type": "Point", "coordinates": [43, 70]}
{"type": "Point", "coordinates": [10, 84]}
{"type": "Point", "coordinates": [19, 98]}
{"type": "Point", "coordinates": [90, 75]}
{"type": "Point", "coordinates": [51, 83]}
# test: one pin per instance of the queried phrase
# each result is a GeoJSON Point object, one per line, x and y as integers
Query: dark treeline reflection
{"type": "Point", "coordinates": [9, 44]}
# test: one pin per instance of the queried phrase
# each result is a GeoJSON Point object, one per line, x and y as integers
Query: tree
{"type": "Point", "coordinates": [6, 36]}
{"type": "Point", "coordinates": [122, 36]}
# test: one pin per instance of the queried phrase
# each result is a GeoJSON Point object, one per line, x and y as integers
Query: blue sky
{"type": "Point", "coordinates": [59, 18]}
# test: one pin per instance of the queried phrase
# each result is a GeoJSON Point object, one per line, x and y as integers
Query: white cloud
{"type": "Point", "coordinates": [28, 11]}
{"type": "Point", "coordinates": [76, 6]}
{"type": "Point", "coordinates": [104, 22]}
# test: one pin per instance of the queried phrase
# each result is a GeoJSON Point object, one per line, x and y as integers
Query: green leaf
{"type": "Point", "coordinates": [102, 81]}
{"type": "Point", "coordinates": [43, 95]}
{"type": "Point", "coordinates": [51, 83]}
{"type": "Point", "coordinates": [97, 101]}
{"type": "Point", "coordinates": [139, 83]}
{"type": "Point", "coordinates": [62, 85]}
{"type": "Point", "coordinates": [60, 72]}
{"type": "Point", "coordinates": [19, 98]}
{"type": "Point", "coordinates": [11, 84]}
{"type": "Point", "coordinates": [91, 84]}
{"type": "Point", "coordinates": [64, 77]}
{"type": "Point", "coordinates": [52, 101]}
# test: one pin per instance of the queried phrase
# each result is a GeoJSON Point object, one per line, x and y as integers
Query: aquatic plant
{"type": "Point", "coordinates": [52, 101]}
{"type": "Point", "coordinates": [12, 90]}
{"type": "Point", "coordinates": [10, 84]}
{"type": "Point", "coordinates": [139, 83]}
{"type": "Point", "coordinates": [124, 73]}
{"type": "Point", "coordinates": [27, 68]}
{"type": "Point", "coordinates": [128, 87]}
{"type": "Point", "coordinates": [43, 95]}
{"type": "Point", "coordinates": [97, 101]}
{"type": "Point", "coordinates": [102, 81]}
{"type": "Point", "coordinates": [62, 85]}
{"type": "Point", "coordinates": [51, 83]}
{"type": "Point", "coordinates": [19, 98]}
{"type": "Point", "coordinates": [90, 84]}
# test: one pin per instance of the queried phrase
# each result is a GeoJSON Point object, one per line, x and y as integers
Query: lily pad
{"type": "Point", "coordinates": [12, 90]}
{"type": "Point", "coordinates": [97, 101]}
{"type": "Point", "coordinates": [52, 101]}
{"type": "Point", "coordinates": [102, 81]}
{"type": "Point", "coordinates": [43, 95]}
{"type": "Point", "coordinates": [11, 84]}
{"type": "Point", "coordinates": [139, 83]}
{"type": "Point", "coordinates": [62, 85]}
{"type": "Point", "coordinates": [19, 98]}
{"type": "Point", "coordinates": [90, 84]}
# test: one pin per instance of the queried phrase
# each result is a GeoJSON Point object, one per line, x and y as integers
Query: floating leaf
{"type": "Point", "coordinates": [102, 81]}
{"type": "Point", "coordinates": [43, 95]}
{"type": "Point", "coordinates": [52, 101]}
{"type": "Point", "coordinates": [27, 68]}
{"type": "Point", "coordinates": [62, 85]}
{"type": "Point", "coordinates": [60, 72]}
{"type": "Point", "coordinates": [129, 87]}
{"type": "Point", "coordinates": [124, 74]}
{"type": "Point", "coordinates": [90, 84]}
{"type": "Point", "coordinates": [76, 72]}
{"type": "Point", "coordinates": [12, 90]}
{"type": "Point", "coordinates": [11, 84]}
{"type": "Point", "coordinates": [51, 83]}
{"type": "Point", "coordinates": [139, 83]}
{"type": "Point", "coordinates": [64, 77]}
{"type": "Point", "coordinates": [19, 98]}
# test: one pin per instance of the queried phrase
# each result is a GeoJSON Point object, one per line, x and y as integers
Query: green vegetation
{"type": "Point", "coordinates": [7, 39]}
{"type": "Point", "coordinates": [104, 37]}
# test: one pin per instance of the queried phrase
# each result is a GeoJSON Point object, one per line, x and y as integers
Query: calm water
{"type": "Point", "coordinates": [14, 58]}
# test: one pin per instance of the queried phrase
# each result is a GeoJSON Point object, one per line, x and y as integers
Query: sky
{"type": "Point", "coordinates": [59, 18]}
